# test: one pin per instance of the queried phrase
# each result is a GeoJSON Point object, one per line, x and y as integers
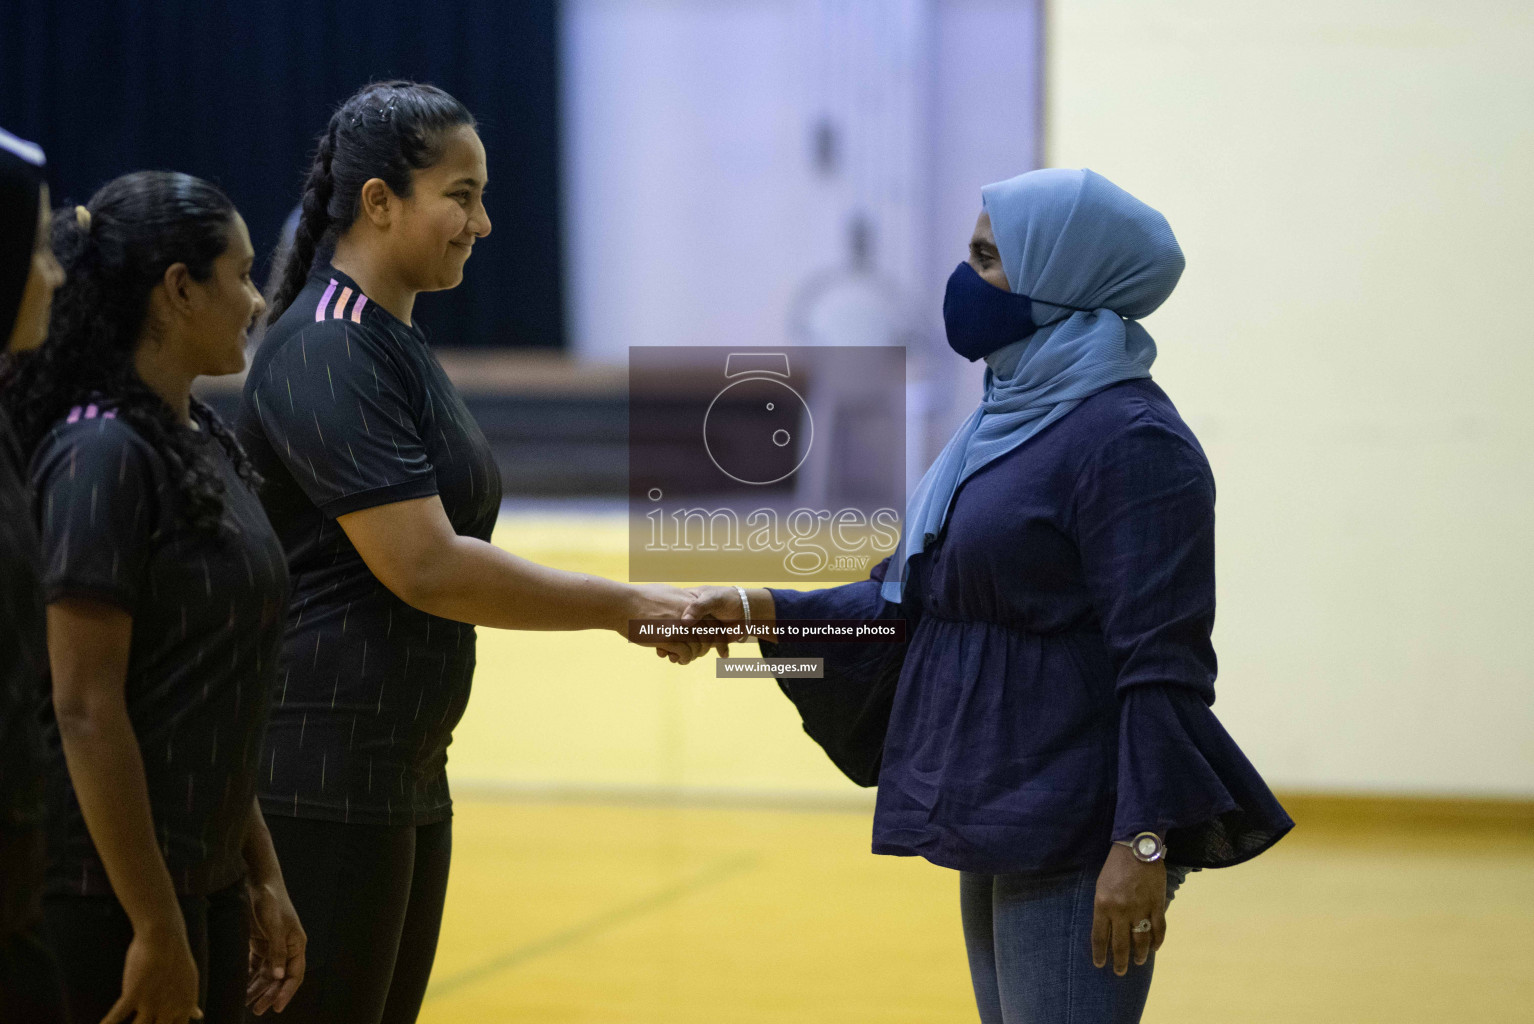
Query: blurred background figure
{"type": "Point", "coordinates": [857, 304]}
{"type": "Point", "coordinates": [1348, 185]}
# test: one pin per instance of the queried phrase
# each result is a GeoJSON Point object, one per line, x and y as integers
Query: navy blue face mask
{"type": "Point", "coordinates": [980, 318]}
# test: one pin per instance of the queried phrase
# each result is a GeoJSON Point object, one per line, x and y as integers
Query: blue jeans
{"type": "Point", "coordinates": [1029, 939]}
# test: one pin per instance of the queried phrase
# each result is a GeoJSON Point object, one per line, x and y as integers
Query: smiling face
{"type": "Point", "coordinates": [223, 307]}
{"type": "Point", "coordinates": [984, 256]}
{"type": "Point", "coordinates": [31, 325]}
{"type": "Point", "coordinates": [444, 214]}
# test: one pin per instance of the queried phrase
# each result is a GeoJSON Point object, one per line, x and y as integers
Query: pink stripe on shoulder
{"type": "Point", "coordinates": [91, 411]}
{"type": "Point", "coordinates": [319, 311]}
{"type": "Point", "coordinates": [74, 415]}
{"type": "Point", "coordinates": [362, 300]}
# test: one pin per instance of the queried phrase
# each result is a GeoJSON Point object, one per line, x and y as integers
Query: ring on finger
{"type": "Point", "coordinates": [1143, 926]}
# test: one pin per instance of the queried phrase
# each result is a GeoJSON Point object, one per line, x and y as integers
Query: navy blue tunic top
{"type": "Point", "coordinates": [1054, 691]}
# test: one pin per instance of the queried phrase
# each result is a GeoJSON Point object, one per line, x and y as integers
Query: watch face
{"type": "Point", "coordinates": [1147, 847]}
{"type": "Point", "coordinates": [752, 430]}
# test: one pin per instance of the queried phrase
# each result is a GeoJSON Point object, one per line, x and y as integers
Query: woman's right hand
{"type": "Point", "coordinates": [654, 601]}
{"type": "Point", "coordinates": [662, 601]}
{"type": "Point", "coordinates": [159, 978]}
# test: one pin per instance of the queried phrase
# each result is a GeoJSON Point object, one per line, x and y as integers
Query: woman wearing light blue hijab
{"type": "Point", "coordinates": [1046, 730]}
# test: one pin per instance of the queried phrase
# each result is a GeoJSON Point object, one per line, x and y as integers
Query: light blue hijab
{"type": "Point", "coordinates": [1075, 237]}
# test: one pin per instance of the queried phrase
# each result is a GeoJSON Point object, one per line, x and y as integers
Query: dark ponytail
{"type": "Point", "coordinates": [292, 261]}
{"type": "Point", "coordinates": [386, 131]}
{"type": "Point", "coordinates": [135, 228]}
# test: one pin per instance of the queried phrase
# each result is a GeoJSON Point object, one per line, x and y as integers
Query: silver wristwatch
{"type": "Point", "coordinates": [1147, 847]}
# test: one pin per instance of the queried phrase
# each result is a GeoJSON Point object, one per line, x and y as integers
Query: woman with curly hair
{"type": "Point", "coordinates": [165, 588]}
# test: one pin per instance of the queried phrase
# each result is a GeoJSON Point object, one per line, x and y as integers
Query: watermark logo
{"type": "Point", "coordinates": [779, 465]}
{"type": "Point", "coordinates": [760, 448]}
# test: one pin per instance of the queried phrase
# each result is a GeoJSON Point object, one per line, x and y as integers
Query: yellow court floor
{"type": "Point", "coordinates": [655, 914]}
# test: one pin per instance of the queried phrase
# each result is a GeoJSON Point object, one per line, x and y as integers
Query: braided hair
{"type": "Point", "coordinates": [385, 130]}
{"type": "Point", "coordinates": [137, 226]}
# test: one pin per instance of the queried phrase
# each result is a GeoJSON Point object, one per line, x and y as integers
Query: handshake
{"type": "Point", "coordinates": [696, 604]}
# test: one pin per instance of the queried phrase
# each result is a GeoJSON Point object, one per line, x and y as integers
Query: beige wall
{"type": "Point", "coordinates": [1353, 185]}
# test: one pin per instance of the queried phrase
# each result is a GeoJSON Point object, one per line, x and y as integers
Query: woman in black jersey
{"type": "Point", "coordinates": [165, 590]}
{"type": "Point", "coordinates": [29, 986]}
{"type": "Point", "coordinates": [385, 493]}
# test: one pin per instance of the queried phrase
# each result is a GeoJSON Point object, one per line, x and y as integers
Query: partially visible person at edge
{"type": "Point", "coordinates": [385, 492]}
{"type": "Point", "coordinates": [165, 588]}
{"type": "Point", "coordinates": [29, 978]}
{"type": "Point", "coordinates": [1050, 735]}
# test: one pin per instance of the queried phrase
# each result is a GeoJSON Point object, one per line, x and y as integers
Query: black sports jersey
{"type": "Point", "coordinates": [346, 408]}
{"type": "Point", "coordinates": [23, 662]}
{"type": "Point", "coordinates": [207, 628]}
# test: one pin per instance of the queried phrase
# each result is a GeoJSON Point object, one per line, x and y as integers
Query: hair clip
{"type": "Point", "coordinates": [83, 218]}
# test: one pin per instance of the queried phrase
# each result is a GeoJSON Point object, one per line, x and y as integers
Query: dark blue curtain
{"type": "Point", "coordinates": [238, 92]}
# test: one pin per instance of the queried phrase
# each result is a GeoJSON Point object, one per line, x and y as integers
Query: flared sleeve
{"type": "Point", "coordinates": [847, 711]}
{"type": "Point", "coordinates": [1144, 521]}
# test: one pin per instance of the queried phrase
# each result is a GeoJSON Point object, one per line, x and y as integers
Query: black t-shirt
{"type": "Point", "coordinates": [207, 628]}
{"type": "Point", "coordinates": [346, 408]}
{"type": "Point", "coordinates": [23, 662]}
